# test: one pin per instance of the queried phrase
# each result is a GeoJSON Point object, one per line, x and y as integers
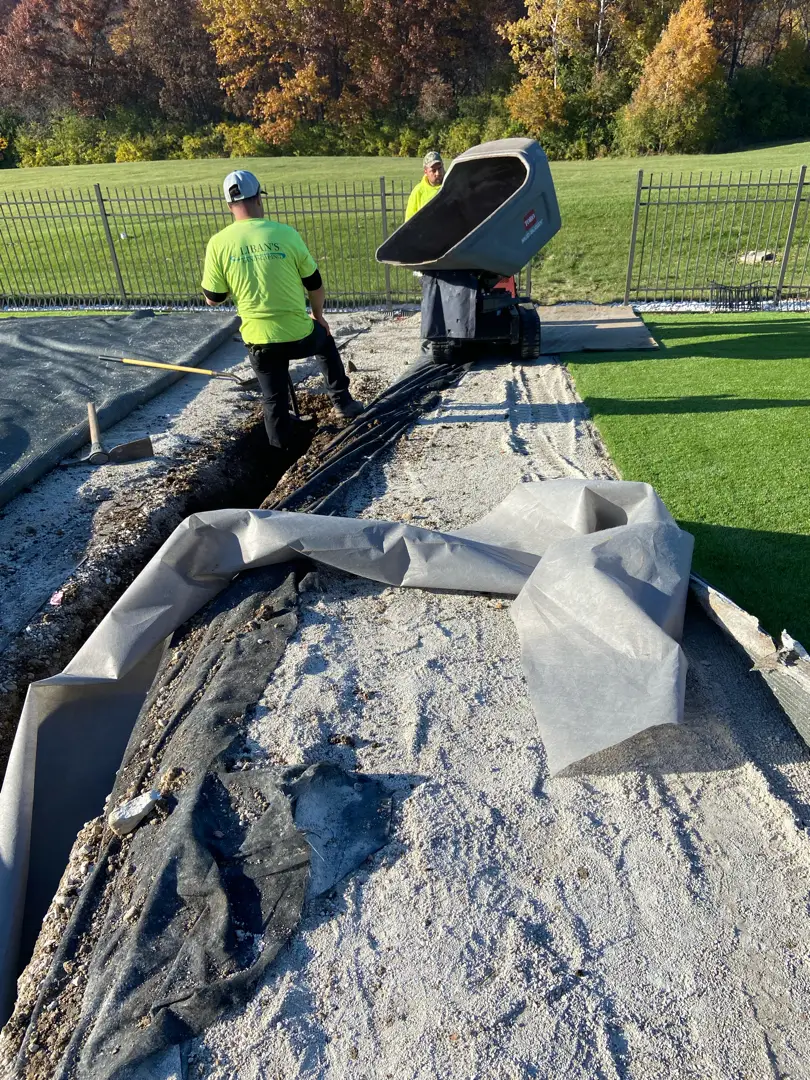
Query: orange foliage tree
{"type": "Point", "coordinates": [284, 61]}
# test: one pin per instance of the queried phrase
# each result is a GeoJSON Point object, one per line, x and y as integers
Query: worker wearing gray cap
{"type": "Point", "coordinates": [429, 185]}
{"type": "Point", "coordinates": [265, 267]}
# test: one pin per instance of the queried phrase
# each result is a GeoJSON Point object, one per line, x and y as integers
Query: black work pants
{"type": "Point", "coordinates": [272, 365]}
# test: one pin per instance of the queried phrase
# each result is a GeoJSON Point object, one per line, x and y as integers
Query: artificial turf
{"type": "Point", "coordinates": [717, 420]}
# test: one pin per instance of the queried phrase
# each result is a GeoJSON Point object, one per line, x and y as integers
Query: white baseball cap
{"type": "Point", "coordinates": [241, 185]}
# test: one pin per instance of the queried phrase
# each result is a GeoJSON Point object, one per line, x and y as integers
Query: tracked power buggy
{"type": "Point", "coordinates": [496, 209]}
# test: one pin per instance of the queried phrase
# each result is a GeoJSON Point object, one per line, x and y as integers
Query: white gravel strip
{"type": "Point", "coordinates": [644, 916]}
{"type": "Point", "coordinates": [675, 307]}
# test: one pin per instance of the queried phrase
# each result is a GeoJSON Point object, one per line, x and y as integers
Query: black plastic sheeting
{"type": "Point", "coordinates": [181, 919]}
{"type": "Point", "coordinates": [380, 425]}
{"type": "Point", "coordinates": [51, 370]}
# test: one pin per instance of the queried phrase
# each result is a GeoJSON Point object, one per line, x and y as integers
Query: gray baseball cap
{"type": "Point", "coordinates": [241, 185]}
{"type": "Point", "coordinates": [432, 157]}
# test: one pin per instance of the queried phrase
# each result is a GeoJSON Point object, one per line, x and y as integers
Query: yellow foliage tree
{"type": "Point", "coordinates": [672, 106]}
{"type": "Point", "coordinates": [297, 97]}
{"type": "Point", "coordinates": [553, 31]}
{"type": "Point", "coordinates": [590, 35]}
{"type": "Point", "coordinates": [536, 104]}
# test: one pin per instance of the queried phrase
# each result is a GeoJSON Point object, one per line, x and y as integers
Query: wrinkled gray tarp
{"type": "Point", "coordinates": [51, 370]}
{"type": "Point", "coordinates": [179, 921]}
{"type": "Point", "coordinates": [599, 568]}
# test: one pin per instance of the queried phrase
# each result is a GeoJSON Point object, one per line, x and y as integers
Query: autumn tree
{"type": "Point", "coordinates": [177, 69]}
{"type": "Point", "coordinates": [672, 106]}
{"type": "Point", "coordinates": [56, 54]}
{"type": "Point", "coordinates": [280, 60]}
{"type": "Point", "coordinates": [576, 59]}
{"type": "Point", "coordinates": [286, 62]}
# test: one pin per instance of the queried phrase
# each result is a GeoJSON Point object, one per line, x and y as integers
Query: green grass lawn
{"type": "Point", "coordinates": [717, 421]}
{"type": "Point", "coordinates": [587, 260]}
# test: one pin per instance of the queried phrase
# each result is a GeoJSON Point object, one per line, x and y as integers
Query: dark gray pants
{"type": "Point", "coordinates": [272, 364]}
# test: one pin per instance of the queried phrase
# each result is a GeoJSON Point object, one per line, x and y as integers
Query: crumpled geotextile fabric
{"type": "Point", "coordinates": [599, 569]}
{"type": "Point", "coordinates": [184, 916]}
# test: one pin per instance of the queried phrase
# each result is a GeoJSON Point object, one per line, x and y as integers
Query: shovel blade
{"type": "Point", "coordinates": [132, 451]}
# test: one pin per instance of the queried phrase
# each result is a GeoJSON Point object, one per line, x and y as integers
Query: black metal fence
{"type": "Point", "coordinates": [736, 241]}
{"type": "Point", "coordinates": [144, 247]}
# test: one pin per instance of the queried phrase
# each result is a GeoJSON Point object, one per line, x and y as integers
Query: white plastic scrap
{"type": "Point", "coordinates": [131, 813]}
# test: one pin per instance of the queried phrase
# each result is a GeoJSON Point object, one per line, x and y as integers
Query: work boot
{"type": "Point", "coordinates": [300, 435]}
{"type": "Point", "coordinates": [347, 408]}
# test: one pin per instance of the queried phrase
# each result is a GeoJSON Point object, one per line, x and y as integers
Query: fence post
{"type": "Point", "coordinates": [629, 282]}
{"type": "Point", "coordinates": [113, 254]}
{"type": "Point", "coordinates": [791, 229]}
{"type": "Point", "coordinates": [385, 237]}
{"type": "Point", "coordinates": [529, 279]}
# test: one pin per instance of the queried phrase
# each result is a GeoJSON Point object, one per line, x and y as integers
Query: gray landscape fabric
{"type": "Point", "coordinates": [599, 568]}
{"type": "Point", "coordinates": [51, 370]}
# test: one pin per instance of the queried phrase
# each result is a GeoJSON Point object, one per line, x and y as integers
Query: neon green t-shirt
{"type": "Point", "coordinates": [421, 194]}
{"type": "Point", "coordinates": [260, 263]}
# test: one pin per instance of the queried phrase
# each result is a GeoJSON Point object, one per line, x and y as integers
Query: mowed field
{"type": "Point", "coordinates": [587, 260]}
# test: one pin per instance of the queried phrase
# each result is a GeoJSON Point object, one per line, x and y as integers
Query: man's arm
{"type": "Point", "coordinates": [313, 283]}
{"type": "Point", "coordinates": [413, 203]}
{"type": "Point", "coordinates": [214, 286]}
{"type": "Point", "coordinates": [214, 299]}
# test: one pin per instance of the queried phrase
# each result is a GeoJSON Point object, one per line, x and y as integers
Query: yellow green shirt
{"type": "Point", "coordinates": [260, 263]}
{"type": "Point", "coordinates": [421, 194]}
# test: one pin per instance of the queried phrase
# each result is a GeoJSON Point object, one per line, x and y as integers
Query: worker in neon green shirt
{"type": "Point", "coordinates": [265, 267]}
{"type": "Point", "coordinates": [430, 184]}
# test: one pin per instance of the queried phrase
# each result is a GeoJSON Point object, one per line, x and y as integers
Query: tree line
{"type": "Point", "coordinates": [106, 80]}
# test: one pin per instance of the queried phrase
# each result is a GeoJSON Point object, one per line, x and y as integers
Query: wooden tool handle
{"type": "Point", "coordinates": [167, 367]}
{"type": "Point", "coordinates": [92, 419]}
{"type": "Point", "coordinates": [98, 455]}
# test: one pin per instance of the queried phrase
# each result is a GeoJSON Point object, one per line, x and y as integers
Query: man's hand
{"type": "Point", "coordinates": [322, 321]}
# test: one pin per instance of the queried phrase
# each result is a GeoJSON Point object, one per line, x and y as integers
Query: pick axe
{"type": "Point", "coordinates": [128, 451]}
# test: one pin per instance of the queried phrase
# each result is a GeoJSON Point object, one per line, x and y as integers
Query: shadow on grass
{"type": "Point", "coordinates": [692, 403]}
{"type": "Point", "coordinates": [763, 572]}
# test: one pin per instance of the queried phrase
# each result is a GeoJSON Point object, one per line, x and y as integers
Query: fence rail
{"type": "Point", "coordinates": [736, 240]}
{"type": "Point", "coordinates": [144, 247]}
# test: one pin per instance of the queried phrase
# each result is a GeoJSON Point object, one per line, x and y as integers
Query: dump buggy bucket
{"type": "Point", "coordinates": [496, 209]}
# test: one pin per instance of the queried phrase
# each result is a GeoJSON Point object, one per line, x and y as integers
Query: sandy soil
{"type": "Point", "coordinates": [643, 915]}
